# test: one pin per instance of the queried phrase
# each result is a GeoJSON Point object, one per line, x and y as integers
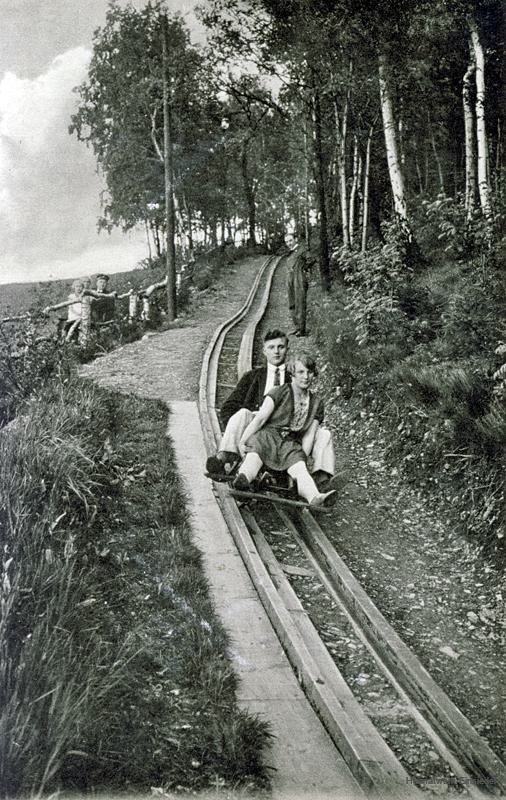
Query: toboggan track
{"type": "Point", "coordinates": [370, 759]}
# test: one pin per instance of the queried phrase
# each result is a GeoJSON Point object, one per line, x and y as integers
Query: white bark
{"type": "Point", "coordinates": [401, 139]}
{"type": "Point", "coordinates": [418, 172]}
{"type": "Point", "coordinates": [307, 226]}
{"type": "Point", "coordinates": [341, 130]}
{"type": "Point", "coordinates": [470, 165]}
{"type": "Point", "coordinates": [353, 192]}
{"type": "Point", "coordinates": [360, 196]}
{"type": "Point", "coordinates": [365, 218]}
{"type": "Point", "coordinates": [392, 150]}
{"type": "Point", "coordinates": [481, 132]}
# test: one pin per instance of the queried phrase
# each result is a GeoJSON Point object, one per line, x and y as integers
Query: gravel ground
{"type": "Point", "coordinates": [431, 584]}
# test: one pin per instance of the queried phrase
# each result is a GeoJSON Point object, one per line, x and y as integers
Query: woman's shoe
{"type": "Point", "coordinates": [325, 499]}
{"type": "Point", "coordinates": [241, 482]}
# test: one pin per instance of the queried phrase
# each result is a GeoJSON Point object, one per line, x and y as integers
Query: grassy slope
{"type": "Point", "coordinates": [19, 298]}
{"type": "Point", "coordinates": [416, 347]}
{"type": "Point", "coordinates": [114, 668]}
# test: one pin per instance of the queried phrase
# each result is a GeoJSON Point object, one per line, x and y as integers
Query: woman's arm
{"type": "Point", "coordinates": [99, 295]}
{"type": "Point", "coordinates": [64, 304]}
{"type": "Point", "coordinates": [258, 421]}
{"type": "Point", "coordinates": [308, 438]}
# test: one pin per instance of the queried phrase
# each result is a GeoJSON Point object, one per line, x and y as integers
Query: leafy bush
{"type": "Point", "coordinates": [421, 345]}
{"type": "Point", "coordinates": [445, 233]}
{"type": "Point", "coordinates": [474, 314]}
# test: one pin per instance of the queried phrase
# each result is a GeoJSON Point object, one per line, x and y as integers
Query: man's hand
{"type": "Point", "coordinates": [243, 445]}
{"type": "Point", "coordinates": [46, 311]}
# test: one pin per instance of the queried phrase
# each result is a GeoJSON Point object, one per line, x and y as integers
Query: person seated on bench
{"type": "Point", "coordinates": [281, 434]}
{"type": "Point", "coordinates": [239, 409]}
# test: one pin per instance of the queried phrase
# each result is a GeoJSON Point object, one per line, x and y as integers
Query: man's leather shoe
{"type": "Point", "coordinates": [241, 482]}
{"type": "Point", "coordinates": [215, 466]}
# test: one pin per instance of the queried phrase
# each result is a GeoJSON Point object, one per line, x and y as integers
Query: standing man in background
{"type": "Point", "coordinates": [297, 285]}
{"type": "Point", "coordinates": [102, 308]}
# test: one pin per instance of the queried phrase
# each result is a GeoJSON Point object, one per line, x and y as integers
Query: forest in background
{"type": "Point", "coordinates": [375, 132]}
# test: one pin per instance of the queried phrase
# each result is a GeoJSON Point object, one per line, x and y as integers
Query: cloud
{"type": "Point", "coordinates": [49, 188]}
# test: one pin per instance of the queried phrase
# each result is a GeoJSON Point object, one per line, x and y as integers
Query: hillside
{"type": "Point", "coordinates": [18, 298]}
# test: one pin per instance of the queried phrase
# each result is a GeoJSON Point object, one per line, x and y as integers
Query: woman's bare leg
{"type": "Point", "coordinates": [306, 486]}
{"type": "Point", "coordinates": [250, 467]}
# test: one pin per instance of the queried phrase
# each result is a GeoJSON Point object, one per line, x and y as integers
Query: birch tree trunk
{"type": "Point", "coordinates": [353, 192]}
{"type": "Point", "coordinates": [392, 150]}
{"type": "Point", "coordinates": [418, 171]}
{"type": "Point", "coordinates": [148, 239]}
{"type": "Point", "coordinates": [481, 132]}
{"type": "Point", "coordinates": [400, 127]}
{"type": "Point", "coordinates": [360, 196]}
{"type": "Point", "coordinates": [367, 168]}
{"type": "Point", "coordinates": [170, 250]}
{"type": "Point", "coordinates": [189, 220]}
{"type": "Point", "coordinates": [156, 238]}
{"type": "Point", "coordinates": [470, 161]}
{"type": "Point", "coordinates": [178, 216]}
{"type": "Point", "coordinates": [320, 190]}
{"type": "Point", "coordinates": [249, 193]}
{"type": "Point", "coordinates": [341, 130]}
{"type": "Point", "coordinates": [307, 225]}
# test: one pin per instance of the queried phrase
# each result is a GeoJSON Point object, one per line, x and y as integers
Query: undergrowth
{"type": "Point", "coordinates": [113, 667]}
{"type": "Point", "coordinates": [423, 346]}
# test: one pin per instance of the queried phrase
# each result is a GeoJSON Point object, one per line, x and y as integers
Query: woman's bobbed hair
{"type": "Point", "coordinates": [307, 361]}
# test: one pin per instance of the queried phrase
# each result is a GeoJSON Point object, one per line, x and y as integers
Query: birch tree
{"type": "Point", "coordinates": [389, 129]}
{"type": "Point", "coordinates": [469, 141]}
{"type": "Point", "coordinates": [481, 131]}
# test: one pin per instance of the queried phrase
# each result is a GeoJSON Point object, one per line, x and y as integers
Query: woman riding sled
{"type": "Point", "coordinates": [281, 434]}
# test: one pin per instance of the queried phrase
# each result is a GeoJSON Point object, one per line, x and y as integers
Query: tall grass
{"type": "Point", "coordinates": [113, 668]}
{"type": "Point", "coordinates": [49, 659]}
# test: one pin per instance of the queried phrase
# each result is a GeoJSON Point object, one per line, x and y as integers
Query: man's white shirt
{"type": "Point", "coordinates": [271, 371]}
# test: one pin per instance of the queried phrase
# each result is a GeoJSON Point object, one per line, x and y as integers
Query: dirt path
{"type": "Point", "coordinates": [166, 365]}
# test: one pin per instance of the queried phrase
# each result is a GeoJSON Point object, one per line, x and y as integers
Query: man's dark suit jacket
{"type": "Point", "coordinates": [249, 393]}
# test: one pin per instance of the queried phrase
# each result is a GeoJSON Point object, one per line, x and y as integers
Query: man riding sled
{"type": "Point", "coordinates": [240, 407]}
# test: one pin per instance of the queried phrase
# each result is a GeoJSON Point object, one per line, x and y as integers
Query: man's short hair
{"type": "Point", "coordinates": [275, 334]}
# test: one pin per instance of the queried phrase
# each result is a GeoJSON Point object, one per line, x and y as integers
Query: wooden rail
{"type": "Point", "coordinates": [371, 761]}
{"type": "Point", "coordinates": [449, 723]}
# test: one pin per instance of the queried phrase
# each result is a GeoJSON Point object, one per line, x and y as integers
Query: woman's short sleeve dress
{"type": "Point", "coordinates": [277, 444]}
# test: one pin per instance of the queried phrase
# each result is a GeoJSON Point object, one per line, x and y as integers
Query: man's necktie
{"type": "Point", "coordinates": [276, 376]}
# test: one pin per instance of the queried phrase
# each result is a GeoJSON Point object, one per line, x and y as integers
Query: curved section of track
{"type": "Point", "coordinates": [371, 760]}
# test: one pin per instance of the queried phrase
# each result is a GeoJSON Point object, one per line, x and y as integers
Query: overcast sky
{"type": "Point", "coordinates": [49, 189]}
